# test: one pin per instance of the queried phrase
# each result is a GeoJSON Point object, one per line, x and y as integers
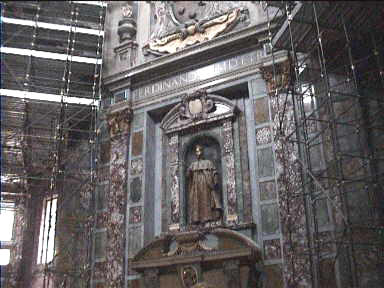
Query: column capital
{"type": "Point", "coordinates": [283, 73]}
{"type": "Point", "coordinates": [119, 121]}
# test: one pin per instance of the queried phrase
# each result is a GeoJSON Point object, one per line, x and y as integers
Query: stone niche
{"type": "Point", "coordinates": [215, 257]}
{"type": "Point", "coordinates": [203, 120]}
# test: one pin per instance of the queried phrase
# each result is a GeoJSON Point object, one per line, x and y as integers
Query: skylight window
{"type": "Point", "coordinates": [51, 26]}
{"type": "Point", "coordinates": [49, 55]}
{"type": "Point", "coordinates": [47, 97]}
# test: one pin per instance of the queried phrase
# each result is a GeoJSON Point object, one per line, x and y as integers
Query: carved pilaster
{"type": "Point", "coordinates": [127, 53]}
{"type": "Point", "coordinates": [229, 160]}
{"type": "Point", "coordinates": [295, 252]}
{"type": "Point", "coordinates": [232, 273]}
{"type": "Point", "coordinates": [119, 127]}
{"type": "Point", "coordinates": [173, 159]}
{"type": "Point", "coordinates": [151, 278]}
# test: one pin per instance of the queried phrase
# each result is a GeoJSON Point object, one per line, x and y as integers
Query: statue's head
{"type": "Point", "coordinates": [199, 151]}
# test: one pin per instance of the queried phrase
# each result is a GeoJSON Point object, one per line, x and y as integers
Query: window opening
{"type": "Point", "coordinates": [47, 231]}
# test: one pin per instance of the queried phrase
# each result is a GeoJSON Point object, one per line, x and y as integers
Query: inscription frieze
{"type": "Point", "coordinates": [200, 74]}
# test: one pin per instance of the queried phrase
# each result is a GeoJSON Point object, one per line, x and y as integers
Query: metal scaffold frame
{"type": "Point", "coordinates": [330, 115]}
{"type": "Point", "coordinates": [48, 163]}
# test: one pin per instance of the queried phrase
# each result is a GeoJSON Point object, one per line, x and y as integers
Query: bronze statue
{"type": "Point", "coordinates": [204, 198]}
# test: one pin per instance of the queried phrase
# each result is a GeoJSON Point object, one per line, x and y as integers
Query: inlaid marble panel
{"type": "Point", "coordinates": [101, 191]}
{"type": "Point", "coordinates": [100, 244]}
{"type": "Point", "coordinates": [137, 143]}
{"type": "Point", "coordinates": [272, 249]}
{"type": "Point", "coordinates": [138, 120]}
{"type": "Point", "coordinates": [266, 162]}
{"type": "Point", "coordinates": [136, 166]}
{"type": "Point", "coordinates": [135, 190]}
{"type": "Point", "coordinates": [135, 215]}
{"type": "Point", "coordinates": [263, 136]}
{"type": "Point", "coordinates": [269, 219]}
{"type": "Point", "coordinates": [261, 110]}
{"type": "Point", "coordinates": [267, 190]}
{"type": "Point", "coordinates": [134, 239]}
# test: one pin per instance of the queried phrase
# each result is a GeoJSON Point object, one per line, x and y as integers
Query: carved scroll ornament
{"type": "Point", "coordinates": [193, 34]}
{"type": "Point", "coordinates": [189, 243]}
{"type": "Point", "coordinates": [178, 26]}
{"type": "Point", "coordinates": [197, 108]}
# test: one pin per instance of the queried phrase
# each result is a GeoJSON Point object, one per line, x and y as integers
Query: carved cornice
{"type": "Point", "coordinates": [214, 256]}
{"type": "Point", "coordinates": [188, 243]}
{"type": "Point", "coordinates": [210, 83]}
{"type": "Point", "coordinates": [149, 257]}
{"type": "Point", "coordinates": [241, 40]}
{"type": "Point", "coordinates": [119, 121]}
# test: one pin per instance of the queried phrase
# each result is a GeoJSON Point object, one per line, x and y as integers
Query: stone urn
{"type": "Point", "coordinates": [127, 29]}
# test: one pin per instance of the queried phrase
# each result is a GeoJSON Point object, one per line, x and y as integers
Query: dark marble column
{"type": "Point", "coordinates": [173, 160]}
{"type": "Point", "coordinates": [119, 127]}
{"type": "Point", "coordinates": [229, 160]}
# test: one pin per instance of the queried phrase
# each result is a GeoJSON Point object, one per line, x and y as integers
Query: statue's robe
{"type": "Point", "coordinates": [204, 200]}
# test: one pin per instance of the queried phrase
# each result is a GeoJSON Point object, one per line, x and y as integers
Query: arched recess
{"type": "Point", "coordinates": [198, 116]}
{"type": "Point", "coordinates": [229, 255]}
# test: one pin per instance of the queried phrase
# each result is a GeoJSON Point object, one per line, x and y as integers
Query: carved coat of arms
{"type": "Point", "coordinates": [179, 24]}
